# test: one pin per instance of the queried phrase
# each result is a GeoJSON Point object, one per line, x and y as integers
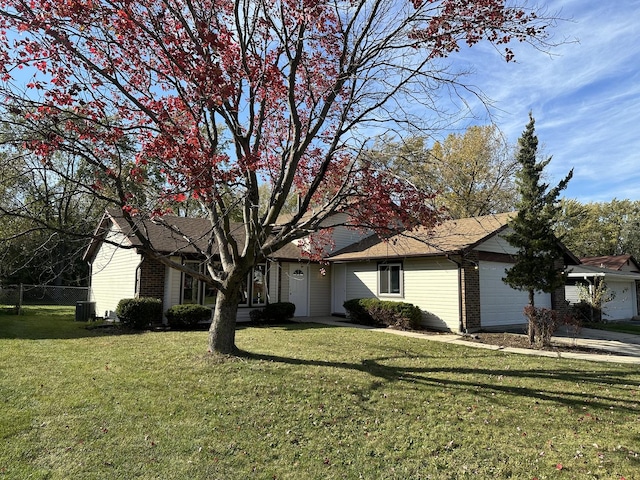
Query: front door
{"type": "Point", "coordinates": [299, 288]}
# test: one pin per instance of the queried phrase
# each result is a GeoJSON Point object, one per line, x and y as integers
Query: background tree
{"type": "Point", "coordinates": [600, 228]}
{"type": "Point", "coordinates": [538, 264]}
{"type": "Point", "coordinates": [475, 172]}
{"type": "Point", "coordinates": [295, 83]}
{"type": "Point", "coordinates": [472, 173]}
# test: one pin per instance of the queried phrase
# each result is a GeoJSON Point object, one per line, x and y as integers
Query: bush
{"type": "Point", "coordinates": [371, 311]}
{"type": "Point", "coordinates": [139, 313]}
{"type": "Point", "coordinates": [273, 312]}
{"type": "Point", "coordinates": [185, 316]}
{"type": "Point", "coordinates": [257, 316]}
{"type": "Point", "coordinates": [279, 311]}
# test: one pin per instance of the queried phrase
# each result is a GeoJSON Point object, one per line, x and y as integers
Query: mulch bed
{"type": "Point", "coordinates": [522, 341]}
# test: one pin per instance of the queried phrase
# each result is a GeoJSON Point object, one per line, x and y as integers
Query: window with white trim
{"type": "Point", "coordinates": [390, 279]}
{"type": "Point", "coordinates": [254, 289]}
{"type": "Point", "coordinates": [194, 290]}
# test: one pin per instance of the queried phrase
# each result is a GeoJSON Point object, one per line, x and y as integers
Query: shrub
{"type": "Point", "coordinates": [273, 312]}
{"type": "Point", "coordinates": [371, 311]}
{"type": "Point", "coordinates": [185, 316]}
{"type": "Point", "coordinates": [257, 316]}
{"type": "Point", "coordinates": [139, 313]}
{"type": "Point", "coordinates": [279, 311]}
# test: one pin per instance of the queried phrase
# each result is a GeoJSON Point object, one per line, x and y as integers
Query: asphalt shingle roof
{"type": "Point", "coordinates": [451, 236]}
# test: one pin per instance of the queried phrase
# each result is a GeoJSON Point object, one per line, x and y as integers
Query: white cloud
{"type": "Point", "coordinates": [585, 96]}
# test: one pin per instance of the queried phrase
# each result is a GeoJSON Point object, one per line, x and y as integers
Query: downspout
{"type": "Point", "coordinates": [461, 328]}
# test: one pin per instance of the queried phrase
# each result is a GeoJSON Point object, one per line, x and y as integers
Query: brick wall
{"type": "Point", "coordinates": [558, 297]}
{"type": "Point", "coordinates": [151, 279]}
{"type": "Point", "coordinates": [470, 294]}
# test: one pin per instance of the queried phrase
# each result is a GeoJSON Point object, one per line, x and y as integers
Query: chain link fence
{"type": "Point", "coordinates": [18, 296]}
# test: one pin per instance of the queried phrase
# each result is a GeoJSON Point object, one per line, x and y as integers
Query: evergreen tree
{"type": "Point", "coordinates": [538, 266]}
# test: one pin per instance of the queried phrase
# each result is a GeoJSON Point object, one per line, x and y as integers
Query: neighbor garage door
{"type": "Point", "coordinates": [501, 305]}
{"type": "Point", "coordinates": [623, 305]}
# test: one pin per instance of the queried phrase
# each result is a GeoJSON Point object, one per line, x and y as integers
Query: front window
{"type": "Point", "coordinates": [259, 285]}
{"type": "Point", "coordinates": [390, 279]}
{"type": "Point", "coordinates": [254, 289]}
{"type": "Point", "coordinates": [190, 286]}
{"type": "Point", "coordinates": [194, 290]}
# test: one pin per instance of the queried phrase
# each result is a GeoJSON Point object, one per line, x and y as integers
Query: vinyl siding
{"type": "Point", "coordinates": [362, 280]}
{"type": "Point", "coordinates": [432, 285]}
{"type": "Point", "coordinates": [113, 275]}
{"type": "Point", "coordinates": [497, 244]}
{"type": "Point", "coordinates": [172, 285]}
{"type": "Point", "coordinates": [319, 291]}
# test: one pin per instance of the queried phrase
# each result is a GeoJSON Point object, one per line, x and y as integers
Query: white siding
{"type": "Point", "coordinates": [339, 287]}
{"type": "Point", "coordinates": [113, 275]}
{"type": "Point", "coordinates": [429, 283]}
{"type": "Point", "coordinates": [432, 285]}
{"type": "Point", "coordinates": [172, 286]}
{"type": "Point", "coordinates": [319, 290]}
{"type": "Point", "coordinates": [497, 244]}
{"type": "Point", "coordinates": [501, 305]}
{"type": "Point", "coordinates": [274, 276]}
{"type": "Point", "coordinates": [571, 294]}
{"type": "Point", "coordinates": [362, 280]}
{"type": "Point", "coordinates": [343, 236]}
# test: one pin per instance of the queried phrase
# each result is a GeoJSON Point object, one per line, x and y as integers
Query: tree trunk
{"type": "Point", "coordinates": [222, 334]}
{"type": "Point", "coordinates": [532, 325]}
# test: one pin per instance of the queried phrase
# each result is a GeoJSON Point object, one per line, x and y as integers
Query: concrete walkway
{"type": "Point", "coordinates": [615, 347]}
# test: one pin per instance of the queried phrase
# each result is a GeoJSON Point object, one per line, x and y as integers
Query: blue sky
{"type": "Point", "coordinates": [585, 96]}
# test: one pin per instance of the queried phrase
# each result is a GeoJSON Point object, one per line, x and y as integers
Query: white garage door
{"type": "Point", "coordinates": [501, 305]}
{"type": "Point", "coordinates": [623, 305]}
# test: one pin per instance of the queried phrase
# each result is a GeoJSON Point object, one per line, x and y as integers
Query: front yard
{"type": "Point", "coordinates": [306, 401]}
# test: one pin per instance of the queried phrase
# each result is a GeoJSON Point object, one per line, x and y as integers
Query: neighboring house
{"type": "Point", "coordinates": [453, 273]}
{"type": "Point", "coordinates": [621, 274]}
{"type": "Point", "coordinates": [119, 269]}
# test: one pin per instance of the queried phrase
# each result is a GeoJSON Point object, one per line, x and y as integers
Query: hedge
{"type": "Point", "coordinates": [139, 313]}
{"type": "Point", "coordinates": [188, 315]}
{"type": "Point", "coordinates": [371, 311]}
{"type": "Point", "coordinates": [273, 312]}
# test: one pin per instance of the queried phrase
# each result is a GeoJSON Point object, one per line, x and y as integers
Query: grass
{"type": "Point", "coordinates": [305, 401]}
{"type": "Point", "coordinates": [621, 327]}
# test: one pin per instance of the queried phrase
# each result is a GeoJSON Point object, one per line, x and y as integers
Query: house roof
{"type": "Point", "coordinates": [174, 235]}
{"type": "Point", "coordinates": [588, 271]}
{"type": "Point", "coordinates": [451, 236]}
{"type": "Point", "coordinates": [611, 262]}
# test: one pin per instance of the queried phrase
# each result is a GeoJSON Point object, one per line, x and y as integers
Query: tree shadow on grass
{"type": "Point", "coordinates": [484, 381]}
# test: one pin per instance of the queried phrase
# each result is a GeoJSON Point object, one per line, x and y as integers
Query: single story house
{"type": "Point", "coordinates": [453, 273]}
{"type": "Point", "coordinates": [120, 269]}
{"type": "Point", "coordinates": [621, 274]}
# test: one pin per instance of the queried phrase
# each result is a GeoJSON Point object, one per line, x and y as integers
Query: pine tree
{"type": "Point", "coordinates": [537, 266]}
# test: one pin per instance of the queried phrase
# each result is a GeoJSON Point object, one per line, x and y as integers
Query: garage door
{"type": "Point", "coordinates": [501, 305]}
{"type": "Point", "coordinates": [623, 305]}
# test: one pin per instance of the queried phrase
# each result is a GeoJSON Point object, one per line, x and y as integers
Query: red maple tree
{"type": "Point", "coordinates": [220, 97]}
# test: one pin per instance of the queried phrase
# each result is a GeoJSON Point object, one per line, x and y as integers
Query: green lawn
{"type": "Point", "coordinates": [305, 402]}
{"type": "Point", "coordinates": [616, 327]}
